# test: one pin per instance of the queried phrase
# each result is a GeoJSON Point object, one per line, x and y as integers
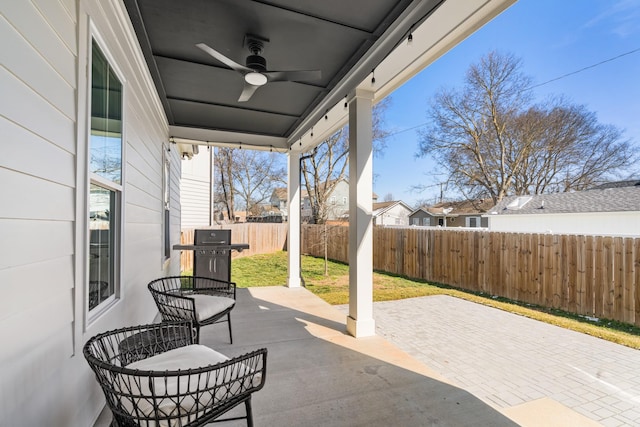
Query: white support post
{"type": "Point", "coordinates": [360, 321]}
{"type": "Point", "coordinates": [293, 219]}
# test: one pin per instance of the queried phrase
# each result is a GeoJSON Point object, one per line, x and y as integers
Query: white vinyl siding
{"type": "Point", "coordinates": [396, 215]}
{"type": "Point", "coordinates": [44, 222]}
{"type": "Point", "coordinates": [195, 190]}
{"type": "Point", "coordinates": [588, 223]}
{"type": "Point", "coordinates": [37, 166]}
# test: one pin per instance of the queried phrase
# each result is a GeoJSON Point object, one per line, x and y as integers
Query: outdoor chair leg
{"type": "Point", "coordinates": [196, 330]}
{"type": "Point", "coordinates": [229, 322]}
{"type": "Point", "coordinates": [247, 405]}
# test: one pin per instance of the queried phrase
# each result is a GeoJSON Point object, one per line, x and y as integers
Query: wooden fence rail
{"type": "Point", "coordinates": [261, 237]}
{"type": "Point", "coordinates": [595, 276]}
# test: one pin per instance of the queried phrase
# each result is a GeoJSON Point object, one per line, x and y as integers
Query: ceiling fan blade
{"type": "Point", "coordinates": [247, 92]}
{"type": "Point", "coordinates": [293, 76]}
{"type": "Point", "coordinates": [226, 61]}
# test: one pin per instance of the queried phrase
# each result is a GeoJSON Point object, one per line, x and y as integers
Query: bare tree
{"type": "Point", "coordinates": [494, 142]}
{"type": "Point", "coordinates": [246, 177]}
{"type": "Point", "coordinates": [322, 171]}
{"type": "Point", "coordinates": [255, 175]}
{"type": "Point", "coordinates": [569, 149]}
{"type": "Point", "coordinates": [225, 192]}
{"type": "Point", "coordinates": [327, 164]}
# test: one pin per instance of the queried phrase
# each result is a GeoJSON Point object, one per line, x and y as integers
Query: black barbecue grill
{"type": "Point", "coordinates": [212, 253]}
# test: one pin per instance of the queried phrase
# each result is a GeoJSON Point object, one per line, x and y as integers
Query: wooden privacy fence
{"type": "Point", "coordinates": [262, 238]}
{"type": "Point", "coordinates": [595, 276]}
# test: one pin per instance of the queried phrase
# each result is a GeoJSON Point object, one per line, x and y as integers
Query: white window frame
{"type": "Point", "coordinates": [166, 203]}
{"type": "Point", "coordinates": [468, 221]}
{"type": "Point", "coordinates": [92, 315]}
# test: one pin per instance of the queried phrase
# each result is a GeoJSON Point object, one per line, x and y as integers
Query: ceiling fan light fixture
{"type": "Point", "coordinates": [256, 79]}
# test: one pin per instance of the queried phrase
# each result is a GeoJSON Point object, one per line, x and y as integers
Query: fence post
{"type": "Point", "coordinates": [588, 275]}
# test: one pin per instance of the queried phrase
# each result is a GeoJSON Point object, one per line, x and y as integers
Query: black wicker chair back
{"type": "Point", "coordinates": [202, 300]}
{"type": "Point", "coordinates": [170, 397]}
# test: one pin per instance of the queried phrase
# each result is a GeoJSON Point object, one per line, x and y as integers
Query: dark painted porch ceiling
{"type": "Point", "coordinates": [198, 91]}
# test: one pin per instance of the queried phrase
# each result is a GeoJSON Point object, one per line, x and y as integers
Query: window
{"type": "Point", "coordinates": [473, 221]}
{"type": "Point", "coordinates": [105, 187]}
{"type": "Point", "coordinates": [415, 221]}
{"type": "Point", "coordinates": [332, 200]}
{"type": "Point", "coordinates": [166, 195]}
{"type": "Point", "coordinates": [426, 221]}
{"type": "Point", "coordinates": [344, 201]}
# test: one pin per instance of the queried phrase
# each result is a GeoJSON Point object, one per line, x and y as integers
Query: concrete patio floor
{"type": "Point", "coordinates": [320, 376]}
{"type": "Point", "coordinates": [516, 364]}
{"type": "Point", "coordinates": [317, 375]}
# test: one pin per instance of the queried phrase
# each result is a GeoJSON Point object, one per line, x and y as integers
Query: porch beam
{"type": "Point", "coordinates": [293, 219]}
{"type": "Point", "coordinates": [360, 321]}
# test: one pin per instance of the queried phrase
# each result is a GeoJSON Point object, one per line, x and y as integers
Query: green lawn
{"type": "Point", "coordinates": [271, 270]}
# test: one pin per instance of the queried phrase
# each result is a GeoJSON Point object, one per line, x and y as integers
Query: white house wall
{"type": "Point", "coordinates": [338, 203]}
{"type": "Point", "coordinates": [397, 215]}
{"type": "Point", "coordinates": [195, 190]}
{"type": "Point", "coordinates": [43, 208]}
{"type": "Point", "coordinates": [602, 223]}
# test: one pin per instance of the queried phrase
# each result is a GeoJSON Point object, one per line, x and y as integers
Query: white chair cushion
{"type": "Point", "coordinates": [210, 305]}
{"type": "Point", "coordinates": [183, 358]}
{"type": "Point", "coordinates": [188, 357]}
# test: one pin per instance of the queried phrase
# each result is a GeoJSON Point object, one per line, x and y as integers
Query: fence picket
{"type": "Point", "coordinates": [608, 278]}
{"type": "Point", "coordinates": [636, 281]}
{"type": "Point", "coordinates": [589, 275]}
{"type": "Point", "coordinates": [628, 294]}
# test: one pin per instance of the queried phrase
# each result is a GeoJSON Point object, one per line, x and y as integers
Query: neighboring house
{"type": "Point", "coordinates": [279, 201]}
{"type": "Point", "coordinates": [422, 217]}
{"type": "Point", "coordinates": [466, 213]}
{"type": "Point", "coordinates": [240, 216]}
{"type": "Point", "coordinates": [337, 203]}
{"type": "Point", "coordinates": [617, 184]}
{"type": "Point", "coordinates": [609, 210]}
{"type": "Point", "coordinates": [391, 213]}
{"type": "Point", "coordinates": [196, 188]}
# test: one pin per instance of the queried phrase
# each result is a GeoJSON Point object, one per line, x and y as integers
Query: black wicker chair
{"type": "Point", "coordinates": [155, 376]}
{"type": "Point", "coordinates": [202, 300]}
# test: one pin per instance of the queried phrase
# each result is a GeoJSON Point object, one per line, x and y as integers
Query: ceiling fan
{"type": "Point", "coordinates": [255, 72]}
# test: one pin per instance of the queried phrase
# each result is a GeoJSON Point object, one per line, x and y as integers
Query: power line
{"type": "Point", "coordinates": [540, 84]}
{"type": "Point", "coordinates": [585, 68]}
{"type": "Point", "coordinates": [407, 129]}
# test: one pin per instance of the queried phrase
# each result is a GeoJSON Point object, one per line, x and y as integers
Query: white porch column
{"type": "Point", "coordinates": [293, 219]}
{"type": "Point", "coordinates": [360, 321]}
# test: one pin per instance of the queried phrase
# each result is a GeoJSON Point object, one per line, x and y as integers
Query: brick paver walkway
{"type": "Point", "coordinates": [506, 359]}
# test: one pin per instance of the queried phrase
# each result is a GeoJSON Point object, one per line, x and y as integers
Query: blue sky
{"type": "Point", "coordinates": [553, 38]}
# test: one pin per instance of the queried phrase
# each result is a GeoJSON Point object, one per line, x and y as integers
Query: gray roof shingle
{"type": "Point", "coordinates": [617, 184]}
{"type": "Point", "coordinates": [616, 199]}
